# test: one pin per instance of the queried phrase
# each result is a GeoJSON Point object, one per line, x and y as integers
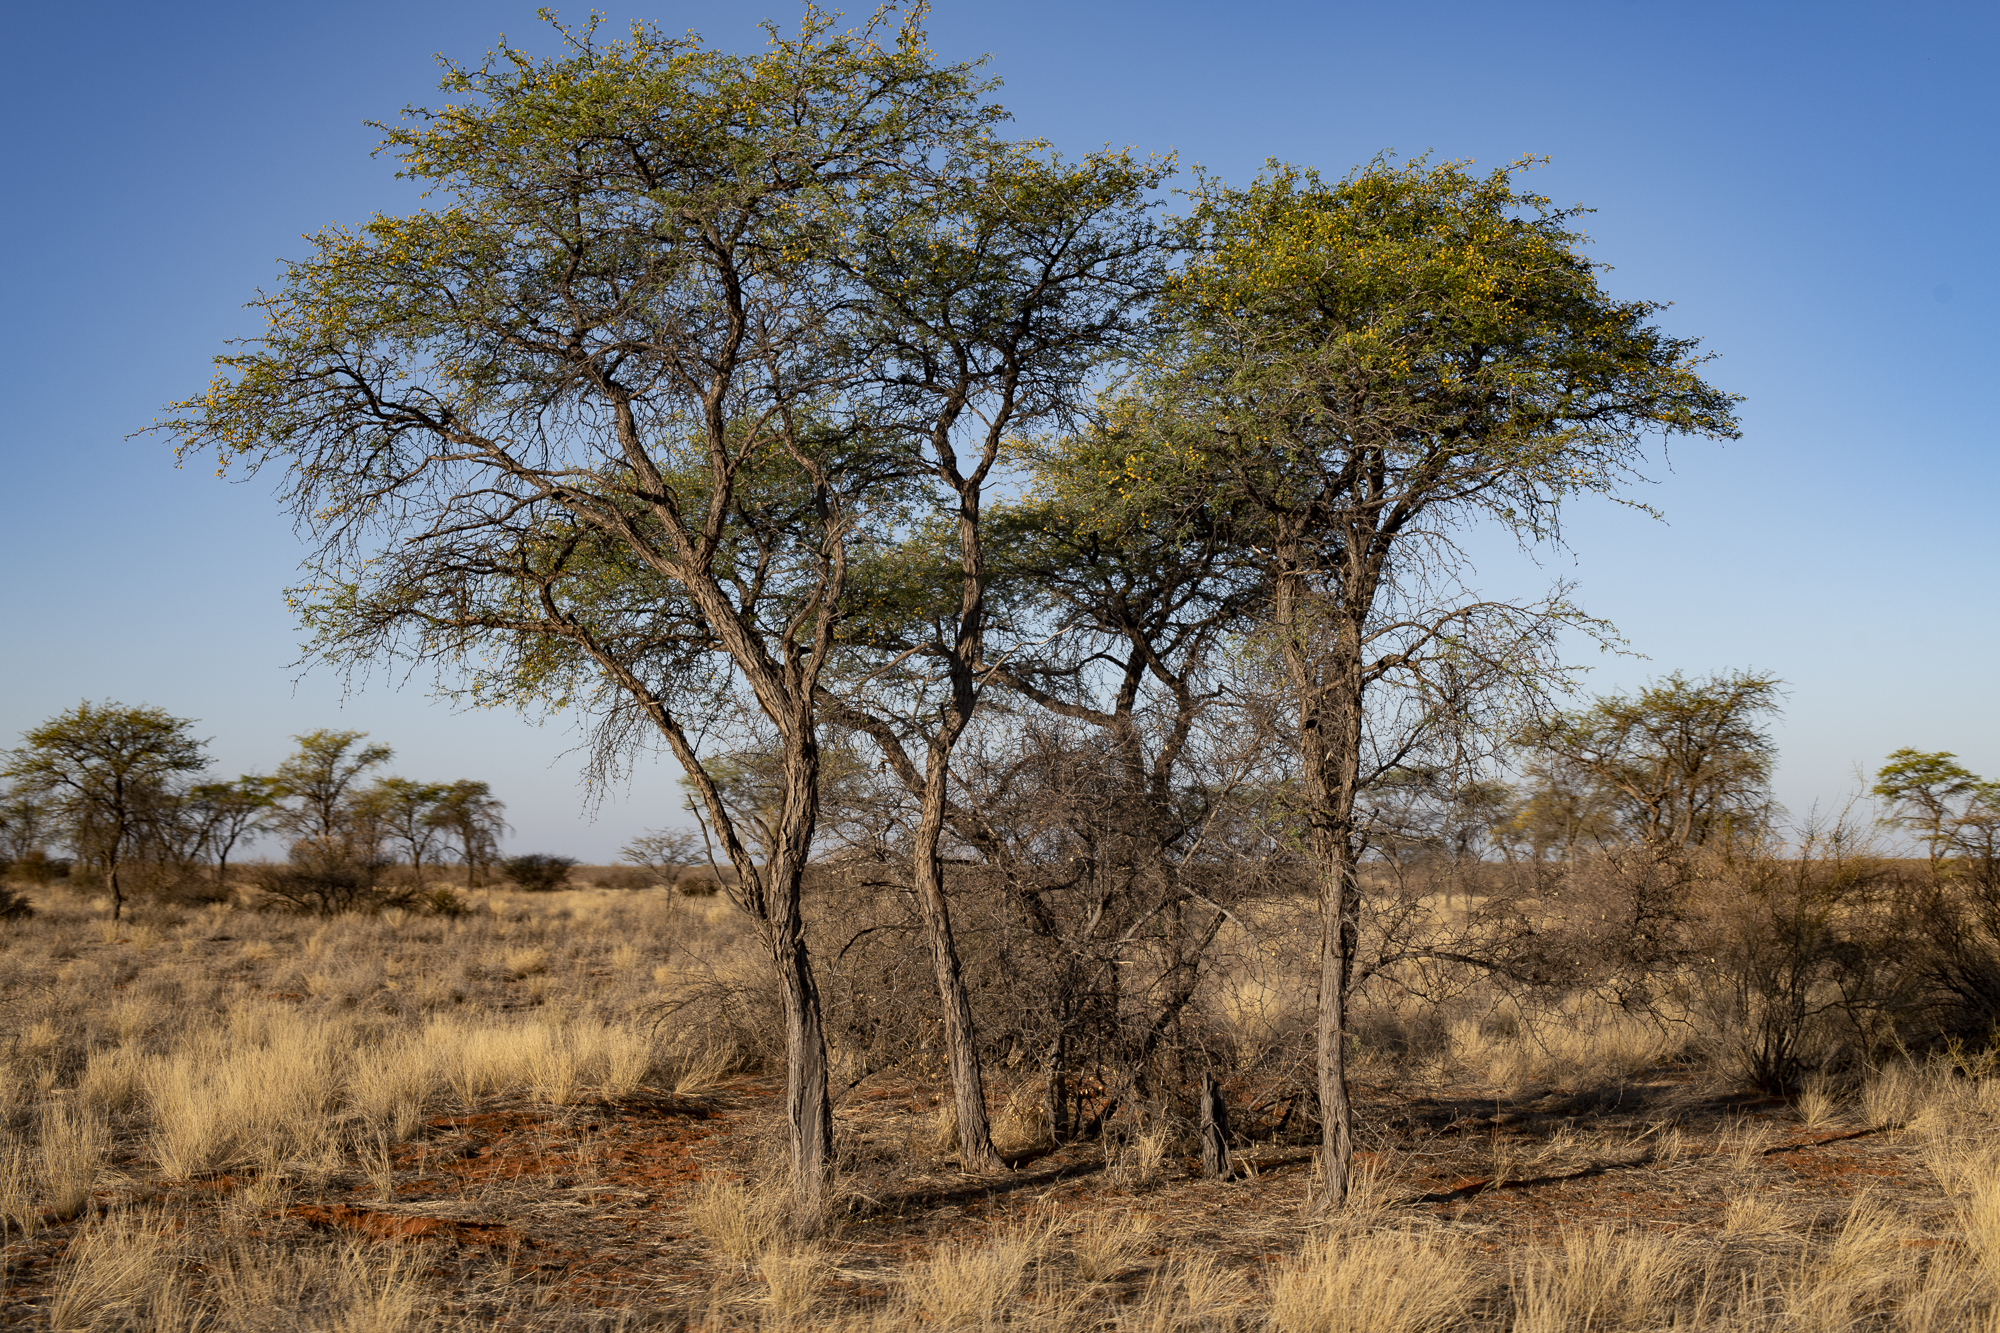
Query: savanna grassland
{"type": "Point", "coordinates": [564, 1111]}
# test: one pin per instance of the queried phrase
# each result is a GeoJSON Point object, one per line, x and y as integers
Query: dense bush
{"type": "Point", "coordinates": [538, 872]}
{"type": "Point", "coordinates": [14, 904]}
{"type": "Point", "coordinates": [38, 867]}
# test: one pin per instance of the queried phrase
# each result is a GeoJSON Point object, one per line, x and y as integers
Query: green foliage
{"type": "Point", "coordinates": [1408, 337]}
{"type": "Point", "coordinates": [467, 812]}
{"type": "Point", "coordinates": [318, 776]}
{"type": "Point", "coordinates": [1949, 807]}
{"type": "Point", "coordinates": [106, 769]}
{"type": "Point", "coordinates": [1682, 763]}
{"type": "Point", "coordinates": [404, 810]}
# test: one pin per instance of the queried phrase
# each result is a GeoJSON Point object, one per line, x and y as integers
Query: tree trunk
{"type": "Point", "coordinates": [808, 1105]}
{"type": "Point", "coordinates": [1336, 1111]}
{"type": "Point", "coordinates": [1214, 1129]}
{"type": "Point", "coordinates": [1055, 1065]}
{"type": "Point", "coordinates": [976, 1153]}
{"type": "Point", "coordinates": [1325, 666]}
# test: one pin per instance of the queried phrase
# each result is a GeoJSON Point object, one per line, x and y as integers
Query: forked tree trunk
{"type": "Point", "coordinates": [1326, 671]}
{"type": "Point", "coordinates": [808, 1100]}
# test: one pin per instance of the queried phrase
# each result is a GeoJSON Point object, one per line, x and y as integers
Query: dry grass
{"type": "Point", "coordinates": [1103, 1245]}
{"type": "Point", "coordinates": [1381, 1283]}
{"type": "Point", "coordinates": [744, 1222]}
{"type": "Point", "coordinates": [223, 1120]}
{"type": "Point", "coordinates": [971, 1286]}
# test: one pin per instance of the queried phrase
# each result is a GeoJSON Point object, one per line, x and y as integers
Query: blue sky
{"type": "Point", "coordinates": [1812, 186]}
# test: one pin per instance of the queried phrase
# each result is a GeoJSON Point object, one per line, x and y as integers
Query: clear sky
{"type": "Point", "coordinates": [1812, 185]}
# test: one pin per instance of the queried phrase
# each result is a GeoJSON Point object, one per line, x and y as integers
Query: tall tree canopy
{"type": "Point", "coordinates": [1356, 371]}
{"type": "Point", "coordinates": [683, 322]}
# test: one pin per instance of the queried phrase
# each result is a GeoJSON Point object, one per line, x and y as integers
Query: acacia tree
{"type": "Point", "coordinates": [104, 765]}
{"type": "Point", "coordinates": [319, 776]}
{"type": "Point", "coordinates": [1358, 370]}
{"type": "Point", "coordinates": [1948, 806]}
{"type": "Point", "coordinates": [404, 808]}
{"type": "Point", "coordinates": [990, 296]}
{"type": "Point", "coordinates": [229, 812]}
{"type": "Point", "coordinates": [627, 303]}
{"type": "Point", "coordinates": [1680, 764]}
{"type": "Point", "coordinates": [26, 821]}
{"type": "Point", "coordinates": [466, 810]}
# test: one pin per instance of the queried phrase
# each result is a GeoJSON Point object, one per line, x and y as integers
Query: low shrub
{"type": "Point", "coordinates": [14, 905]}
{"type": "Point", "coordinates": [38, 867]}
{"type": "Point", "coordinates": [324, 886]}
{"type": "Point", "coordinates": [537, 872]}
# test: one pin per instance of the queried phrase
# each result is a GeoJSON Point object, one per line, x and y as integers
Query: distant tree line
{"type": "Point", "coordinates": [126, 791]}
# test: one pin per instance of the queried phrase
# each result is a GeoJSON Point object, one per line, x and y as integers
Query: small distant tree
{"type": "Point", "coordinates": [1945, 804]}
{"type": "Point", "coordinates": [103, 764]}
{"type": "Point", "coordinates": [230, 812]}
{"type": "Point", "coordinates": [665, 853]}
{"type": "Point", "coordinates": [404, 808]}
{"type": "Point", "coordinates": [318, 777]}
{"type": "Point", "coordinates": [466, 811]}
{"type": "Point", "coordinates": [1683, 763]}
{"type": "Point", "coordinates": [25, 818]}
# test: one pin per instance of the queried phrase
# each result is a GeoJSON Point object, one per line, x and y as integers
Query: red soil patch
{"type": "Point", "coordinates": [392, 1226]}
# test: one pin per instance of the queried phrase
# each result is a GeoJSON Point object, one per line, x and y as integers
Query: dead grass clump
{"type": "Point", "coordinates": [793, 1277]}
{"type": "Point", "coordinates": [122, 1273]}
{"type": "Point", "coordinates": [1865, 1267]}
{"type": "Point", "coordinates": [970, 1286]}
{"type": "Point", "coordinates": [1576, 1044]}
{"type": "Point", "coordinates": [697, 1065]}
{"type": "Point", "coordinates": [113, 1080]}
{"type": "Point", "coordinates": [1755, 1214]}
{"type": "Point", "coordinates": [528, 962]}
{"type": "Point", "coordinates": [557, 1062]}
{"type": "Point", "coordinates": [1138, 1160]}
{"type": "Point", "coordinates": [1022, 1123]}
{"type": "Point", "coordinates": [70, 1155]}
{"type": "Point", "coordinates": [1603, 1279]}
{"type": "Point", "coordinates": [1817, 1106]}
{"type": "Point", "coordinates": [742, 1221]}
{"type": "Point", "coordinates": [1104, 1244]}
{"type": "Point", "coordinates": [349, 1288]}
{"type": "Point", "coordinates": [266, 1093]}
{"type": "Point", "coordinates": [18, 1210]}
{"type": "Point", "coordinates": [1381, 1283]}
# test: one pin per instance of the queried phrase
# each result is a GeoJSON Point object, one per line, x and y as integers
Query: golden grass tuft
{"type": "Point", "coordinates": [970, 1286]}
{"type": "Point", "coordinates": [1380, 1283]}
{"type": "Point", "coordinates": [1603, 1279]}
{"type": "Point", "coordinates": [1104, 1244]}
{"type": "Point", "coordinates": [743, 1221]}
